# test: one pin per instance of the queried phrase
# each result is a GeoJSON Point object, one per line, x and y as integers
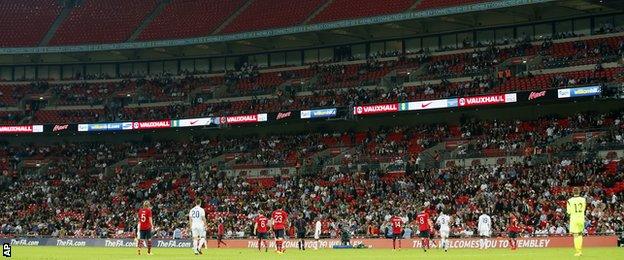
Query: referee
{"type": "Point", "coordinates": [300, 226]}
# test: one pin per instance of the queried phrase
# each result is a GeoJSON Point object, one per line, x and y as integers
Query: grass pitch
{"type": "Point", "coordinates": [44, 252]}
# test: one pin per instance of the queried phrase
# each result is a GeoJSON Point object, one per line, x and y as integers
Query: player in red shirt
{"type": "Point", "coordinates": [397, 231]}
{"type": "Point", "coordinates": [220, 233]}
{"type": "Point", "coordinates": [513, 231]}
{"type": "Point", "coordinates": [261, 229]}
{"type": "Point", "coordinates": [424, 227]}
{"type": "Point", "coordinates": [280, 220]}
{"type": "Point", "coordinates": [144, 227]}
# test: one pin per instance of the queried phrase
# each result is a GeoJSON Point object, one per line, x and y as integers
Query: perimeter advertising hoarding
{"type": "Point", "coordinates": [537, 96]}
{"type": "Point", "coordinates": [432, 104]}
{"type": "Point", "coordinates": [17, 129]}
{"type": "Point", "coordinates": [487, 100]}
{"type": "Point", "coordinates": [588, 91]}
{"type": "Point", "coordinates": [151, 124]}
{"type": "Point", "coordinates": [242, 119]}
{"type": "Point", "coordinates": [521, 97]}
{"type": "Point", "coordinates": [204, 121]}
{"type": "Point", "coordinates": [319, 113]}
{"type": "Point", "coordinates": [376, 109]}
{"type": "Point", "coordinates": [502, 242]}
{"type": "Point", "coordinates": [104, 127]}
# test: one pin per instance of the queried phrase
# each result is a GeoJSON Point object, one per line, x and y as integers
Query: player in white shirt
{"type": "Point", "coordinates": [484, 228]}
{"type": "Point", "coordinates": [197, 224]}
{"type": "Point", "coordinates": [317, 231]}
{"type": "Point", "coordinates": [444, 221]}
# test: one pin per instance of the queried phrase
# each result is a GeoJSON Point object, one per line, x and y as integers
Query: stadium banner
{"type": "Point", "coordinates": [432, 104]}
{"type": "Point", "coordinates": [58, 128]}
{"type": "Point", "coordinates": [537, 96]}
{"type": "Point", "coordinates": [242, 119]}
{"type": "Point", "coordinates": [204, 121]}
{"type": "Point", "coordinates": [104, 127]}
{"type": "Point", "coordinates": [93, 242]}
{"type": "Point", "coordinates": [487, 100]}
{"type": "Point", "coordinates": [376, 109]}
{"type": "Point", "coordinates": [151, 125]}
{"type": "Point", "coordinates": [283, 115]}
{"type": "Point", "coordinates": [588, 91]}
{"type": "Point", "coordinates": [533, 242]}
{"type": "Point", "coordinates": [319, 113]}
{"type": "Point", "coordinates": [21, 129]}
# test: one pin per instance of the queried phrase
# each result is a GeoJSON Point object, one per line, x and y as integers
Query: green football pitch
{"type": "Point", "coordinates": [348, 254]}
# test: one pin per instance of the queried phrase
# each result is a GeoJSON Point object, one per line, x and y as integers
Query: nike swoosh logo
{"type": "Point", "coordinates": [426, 105]}
{"type": "Point", "coordinates": [194, 122]}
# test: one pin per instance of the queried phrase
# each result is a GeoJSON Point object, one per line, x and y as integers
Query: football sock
{"type": "Point", "coordinates": [149, 246]}
{"type": "Point", "coordinates": [578, 243]}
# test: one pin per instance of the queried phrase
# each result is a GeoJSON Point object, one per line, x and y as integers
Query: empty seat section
{"type": "Point", "coordinates": [350, 9]}
{"type": "Point", "coordinates": [102, 21]}
{"type": "Point", "coordinates": [272, 14]}
{"type": "Point", "coordinates": [189, 18]}
{"type": "Point", "coordinates": [25, 22]}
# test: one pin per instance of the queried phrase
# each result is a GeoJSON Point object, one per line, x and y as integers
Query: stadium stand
{"type": "Point", "coordinates": [190, 18]}
{"type": "Point", "coordinates": [282, 13]}
{"type": "Point", "coordinates": [350, 9]}
{"type": "Point", "coordinates": [339, 93]}
{"type": "Point", "coordinates": [102, 21]}
{"type": "Point", "coordinates": [108, 197]}
{"type": "Point", "coordinates": [24, 23]}
{"type": "Point", "coordinates": [428, 4]}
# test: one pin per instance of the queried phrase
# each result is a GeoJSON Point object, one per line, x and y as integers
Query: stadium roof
{"type": "Point", "coordinates": [402, 25]}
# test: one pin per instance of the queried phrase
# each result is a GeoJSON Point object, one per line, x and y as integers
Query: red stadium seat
{"type": "Point", "coordinates": [102, 21]}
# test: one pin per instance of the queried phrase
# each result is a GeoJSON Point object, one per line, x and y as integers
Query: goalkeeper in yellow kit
{"type": "Point", "coordinates": [576, 210]}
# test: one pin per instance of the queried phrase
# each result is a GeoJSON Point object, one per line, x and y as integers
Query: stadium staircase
{"type": "Point", "coordinates": [337, 159]}
{"type": "Point", "coordinates": [317, 11]}
{"type": "Point", "coordinates": [419, 72]}
{"type": "Point", "coordinates": [415, 5]}
{"type": "Point", "coordinates": [322, 159]}
{"type": "Point", "coordinates": [67, 8]}
{"type": "Point", "coordinates": [148, 19]}
{"type": "Point", "coordinates": [520, 65]}
{"type": "Point", "coordinates": [216, 160]}
{"type": "Point", "coordinates": [427, 157]}
{"type": "Point", "coordinates": [120, 164]}
{"type": "Point", "coordinates": [232, 17]}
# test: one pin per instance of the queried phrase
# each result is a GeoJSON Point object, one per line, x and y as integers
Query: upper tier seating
{"type": "Point", "coordinates": [102, 21]}
{"type": "Point", "coordinates": [351, 9]}
{"type": "Point", "coordinates": [189, 18]}
{"type": "Point", "coordinates": [272, 14]}
{"type": "Point", "coordinates": [428, 4]}
{"type": "Point", "coordinates": [25, 22]}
